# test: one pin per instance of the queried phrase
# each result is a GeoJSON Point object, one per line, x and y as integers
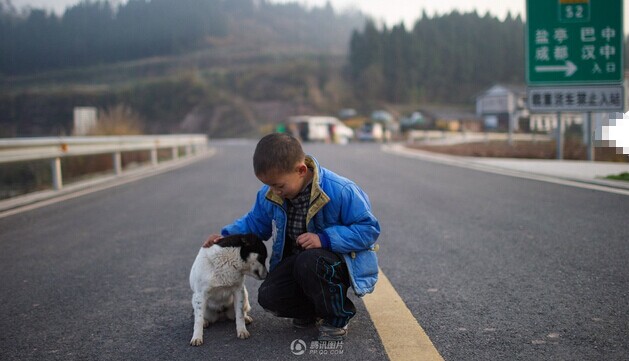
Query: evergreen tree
{"type": "Point", "coordinates": [447, 58]}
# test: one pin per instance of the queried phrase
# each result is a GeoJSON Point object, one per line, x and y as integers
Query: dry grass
{"type": "Point", "coordinates": [119, 120]}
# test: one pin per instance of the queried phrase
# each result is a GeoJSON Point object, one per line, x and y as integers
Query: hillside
{"type": "Point", "coordinates": [266, 62]}
{"type": "Point", "coordinates": [97, 33]}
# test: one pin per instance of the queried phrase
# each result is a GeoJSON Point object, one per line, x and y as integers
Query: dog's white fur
{"type": "Point", "coordinates": [217, 282]}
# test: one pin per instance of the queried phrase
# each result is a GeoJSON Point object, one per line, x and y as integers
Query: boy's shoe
{"type": "Point", "coordinates": [331, 333]}
{"type": "Point", "coordinates": [304, 322]}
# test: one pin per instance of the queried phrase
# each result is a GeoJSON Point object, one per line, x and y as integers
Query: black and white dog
{"type": "Point", "coordinates": [217, 281]}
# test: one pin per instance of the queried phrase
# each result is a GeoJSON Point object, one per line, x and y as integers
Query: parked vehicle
{"type": "Point", "coordinates": [389, 123]}
{"type": "Point", "coordinates": [320, 129]}
{"type": "Point", "coordinates": [370, 132]}
{"type": "Point", "coordinates": [414, 121]}
{"type": "Point", "coordinates": [382, 116]}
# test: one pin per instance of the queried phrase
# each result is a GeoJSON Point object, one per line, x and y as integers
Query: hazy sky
{"type": "Point", "coordinates": [391, 11]}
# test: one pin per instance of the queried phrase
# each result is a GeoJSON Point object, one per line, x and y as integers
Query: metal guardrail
{"type": "Point", "coordinates": [53, 149]}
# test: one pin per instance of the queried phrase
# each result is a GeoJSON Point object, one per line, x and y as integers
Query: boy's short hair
{"type": "Point", "coordinates": [278, 152]}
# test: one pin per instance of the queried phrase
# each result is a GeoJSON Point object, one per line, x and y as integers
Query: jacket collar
{"type": "Point", "coordinates": [318, 198]}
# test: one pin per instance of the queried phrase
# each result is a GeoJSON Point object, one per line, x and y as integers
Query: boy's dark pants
{"type": "Point", "coordinates": [312, 283]}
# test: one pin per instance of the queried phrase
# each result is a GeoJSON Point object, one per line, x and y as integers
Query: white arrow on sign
{"type": "Point", "coordinates": [569, 68]}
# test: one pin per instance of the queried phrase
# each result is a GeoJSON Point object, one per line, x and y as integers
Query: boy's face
{"type": "Point", "coordinates": [286, 185]}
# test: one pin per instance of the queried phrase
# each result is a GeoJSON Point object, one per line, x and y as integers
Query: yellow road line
{"type": "Point", "coordinates": [402, 336]}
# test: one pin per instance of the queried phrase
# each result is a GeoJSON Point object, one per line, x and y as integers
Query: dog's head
{"type": "Point", "coordinates": [252, 251]}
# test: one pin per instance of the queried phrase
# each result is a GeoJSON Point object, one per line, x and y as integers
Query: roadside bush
{"type": "Point", "coordinates": [21, 178]}
{"type": "Point", "coordinates": [118, 120]}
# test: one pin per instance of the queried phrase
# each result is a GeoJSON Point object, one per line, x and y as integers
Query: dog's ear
{"type": "Point", "coordinates": [249, 239]}
{"type": "Point", "coordinates": [246, 240]}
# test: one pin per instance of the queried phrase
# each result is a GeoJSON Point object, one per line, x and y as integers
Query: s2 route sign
{"type": "Point", "coordinates": [574, 42]}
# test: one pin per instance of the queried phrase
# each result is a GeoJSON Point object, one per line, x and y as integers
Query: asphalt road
{"type": "Point", "coordinates": [492, 267]}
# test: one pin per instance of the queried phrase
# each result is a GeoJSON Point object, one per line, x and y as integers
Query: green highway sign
{"type": "Point", "coordinates": [574, 42]}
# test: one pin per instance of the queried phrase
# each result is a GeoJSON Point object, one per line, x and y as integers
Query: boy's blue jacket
{"type": "Point", "coordinates": [340, 213]}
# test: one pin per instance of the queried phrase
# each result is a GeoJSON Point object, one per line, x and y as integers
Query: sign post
{"type": "Point", "coordinates": [574, 56]}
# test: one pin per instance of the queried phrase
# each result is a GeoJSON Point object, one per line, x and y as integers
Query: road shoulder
{"type": "Point", "coordinates": [572, 173]}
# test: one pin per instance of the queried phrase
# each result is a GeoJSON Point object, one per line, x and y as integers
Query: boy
{"type": "Point", "coordinates": [323, 236]}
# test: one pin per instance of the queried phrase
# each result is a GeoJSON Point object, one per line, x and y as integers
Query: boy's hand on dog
{"type": "Point", "coordinates": [213, 238]}
{"type": "Point", "coordinates": [309, 241]}
{"type": "Point", "coordinates": [305, 241]}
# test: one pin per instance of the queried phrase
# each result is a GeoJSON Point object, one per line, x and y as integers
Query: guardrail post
{"type": "Point", "coordinates": [188, 150]}
{"type": "Point", "coordinates": [117, 163]}
{"type": "Point", "coordinates": [175, 152]}
{"type": "Point", "coordinates": [154, 156]}
{"type": "Point", "coordinates": [57, 181]}
{"type": "Point", "coordinates": [198, 148]}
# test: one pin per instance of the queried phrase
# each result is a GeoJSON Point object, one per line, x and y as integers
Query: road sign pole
{"type": "Point", "coordinates": [559, 136]}
{"type": "Point", "coordinates": [510, 129]}
{"type": "Point", "coordinates": [590, 137]}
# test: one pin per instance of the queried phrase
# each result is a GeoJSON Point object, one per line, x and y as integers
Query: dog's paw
{"type": "Point", "coordinates": [243, 334]}
{"type": "Point", "coordinates": [196, 342]}
{"type": "Point", "coordinates": [248, 319]}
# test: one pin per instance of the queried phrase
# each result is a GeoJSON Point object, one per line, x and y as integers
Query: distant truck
{"type": "Point", "coordinates": [319, 129]}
